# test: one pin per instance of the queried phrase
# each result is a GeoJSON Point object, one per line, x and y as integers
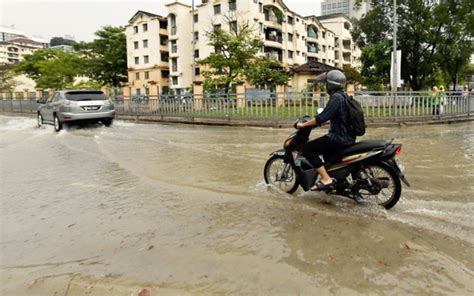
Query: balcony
{"type": "Point", "coordinates": [312, 33]}
{"type": "Point", "coordinates": [346, 45]}
{"type": "Point", "coordinates": [346, 57]}
{"type": "Point", "coordinates": [273, 16]}
{"type": "Point", "coordinates": [273, 35]}
{"type": "Point", "coordinates": [174, 30]}
{"type": "Point", "coordinates": [273, 53]}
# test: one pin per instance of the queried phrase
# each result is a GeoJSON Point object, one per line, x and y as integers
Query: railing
{"type": "Point", "coordinates": [278, 106]}
{"type": "Point", "coordinates": [274, 38]}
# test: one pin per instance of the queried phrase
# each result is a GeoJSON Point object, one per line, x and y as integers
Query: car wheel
{"type": "Point", "coordinates": [107, 121]}
{"type": "Point", "coordinates": [40, 120]}
{"type": "Point", "coordinates": [57, 123]}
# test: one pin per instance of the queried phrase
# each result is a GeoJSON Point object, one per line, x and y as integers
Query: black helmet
{"type": "Point", "coordinates": [334, 80]}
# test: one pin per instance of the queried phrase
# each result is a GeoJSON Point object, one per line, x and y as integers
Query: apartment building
{"type": "Point", "coordinates": [147, 53]}
{"type": "Point", "coordinates": [288, 37]}
{"type": "Point", "coordinates": [14, 50]}
{"type": "Point", "coordinates": [345, 7]}
{"type": "Point", "coordinates": [346, 51]}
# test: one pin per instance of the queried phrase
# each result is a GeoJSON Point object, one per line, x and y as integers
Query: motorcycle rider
{"type": "Point", "coordinates": [338, 136]}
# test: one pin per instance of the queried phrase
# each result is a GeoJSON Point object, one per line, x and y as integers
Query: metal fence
{"type": "Point", "coordinates": [279, 106]}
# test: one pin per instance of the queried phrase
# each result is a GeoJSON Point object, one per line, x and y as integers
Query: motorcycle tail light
{"type": "Point", "coordinates": [399, 150]}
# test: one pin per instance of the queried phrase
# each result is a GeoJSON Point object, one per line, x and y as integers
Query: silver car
{"type": "Point", "coordinates": [68, 106]}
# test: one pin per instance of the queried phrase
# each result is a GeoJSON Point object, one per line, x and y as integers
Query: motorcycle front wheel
{"type": "Point", "coordinates": [280, 174]}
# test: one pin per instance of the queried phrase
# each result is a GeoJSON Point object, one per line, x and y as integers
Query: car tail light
{"type": "Point", "coordinates": [399, 150]}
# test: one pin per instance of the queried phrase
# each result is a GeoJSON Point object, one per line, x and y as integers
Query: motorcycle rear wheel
{"type": "Point", "coordinates": [280, 174]}
{"type": "Point", "coordinates": [381, 172]}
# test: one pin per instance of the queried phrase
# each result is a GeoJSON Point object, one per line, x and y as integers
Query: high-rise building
{"type": "Point", "coordinates": [346, 51]}
{"type": "Point", "coordinates": [346, 7]}
{"type": "Point", "coordinates": [288, 37]}
{"type": "Point", "coordinates": [147, 52]}
{"type": "Point", "coordinates": [14, 50]}
{"type": "Point", "coordinates": [7, 33]}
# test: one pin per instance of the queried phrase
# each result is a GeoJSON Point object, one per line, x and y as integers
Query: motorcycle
{"type": "Point", "coordinates": [366, 171]}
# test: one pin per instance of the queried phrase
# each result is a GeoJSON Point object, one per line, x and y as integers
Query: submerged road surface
{"type": "Point", "coordinates": [178, 209]}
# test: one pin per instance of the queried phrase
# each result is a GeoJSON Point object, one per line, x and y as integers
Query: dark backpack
{"type": "Point", "coordinates": [355, 116]}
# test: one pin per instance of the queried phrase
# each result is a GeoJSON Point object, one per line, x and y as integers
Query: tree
{"type": "Point", "coordinates": [421, 28]}
{"type": "Point", "coordinates": [352, 74]}
{"type": "Point", "coordinates": [266, 73]}
{"type": "Point", "coordinates": [375, 59]}
{"type": "Point", "coordinates": [233, 52]}
{"type": "Point", "coordinates": [51, 68]}
{"type": "Point", "coordinates": [61, 41]}
{"type": "Point", "coordinates": [6, 78]}
{"type": "Point", "coordinates": [456, 47]}
{"type": "Point", "coordinates": [106, 56]}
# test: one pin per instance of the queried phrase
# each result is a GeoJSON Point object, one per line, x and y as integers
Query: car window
{"type": "Point", "coordinates": [85, 96]}
{"type": "Point", "coordinates": [56, 97]}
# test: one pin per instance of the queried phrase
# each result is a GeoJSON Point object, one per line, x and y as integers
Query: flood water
{"type": "Point", "coordinates": [179, 209]}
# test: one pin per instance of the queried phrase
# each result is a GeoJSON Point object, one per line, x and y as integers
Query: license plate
{"type": "Point", "coordinates": [399, 164]}
{"type": "Point", "coordinates": [90, 108]}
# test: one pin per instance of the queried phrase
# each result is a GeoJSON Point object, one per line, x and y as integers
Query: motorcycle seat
{"type": "Point", "coordinates": [362, 146]}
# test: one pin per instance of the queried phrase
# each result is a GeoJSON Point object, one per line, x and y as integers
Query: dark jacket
{"type": "Point", "coordinates": [336, 112]}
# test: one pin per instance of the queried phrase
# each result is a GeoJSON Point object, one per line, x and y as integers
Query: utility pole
{"type": "Point", "coordinates": [395, 59]}
{"type": "Point", "coordinates": [194, 46]}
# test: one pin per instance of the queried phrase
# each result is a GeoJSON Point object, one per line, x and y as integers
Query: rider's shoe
{"type": "Point", "coordinates": [319, 186]}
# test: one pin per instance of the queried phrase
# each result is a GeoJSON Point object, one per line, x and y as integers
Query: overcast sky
{"type": "Point", "coordinates": [81, 18]}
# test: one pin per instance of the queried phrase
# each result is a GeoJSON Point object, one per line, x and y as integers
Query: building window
{"type": "Point", "coordinates": [145, 43]}
{"type": "Point", "coordinates": [138, 91]}
{"type": "Point", "coordinates": [324, 34]}
{"type": "Point", "coordinates": [196, 36]}
{"type": "Point", "coordinates": [233, 26]}
{"type": "Point", "coordinates": [145, 27]}
{"type": "Point", "coordinates": [197, 71]}
{"type": "Point", "coordinates": [217, 9]}
{"type": "Point", "coordinates": [196, 18]}
{"type": "Point", "coordinates": [147, 75]}
{"type": "Point", "coordinates": [165, 73]}
{"type": "Point", "coordinates": [175, 80]}
{"type": "Point", "coordinates": [174, 46]}
{"type": "Point", "coordinates": [165, 56]}
{"type": "Point", "coordinates": [260, 7]}
{"type": "Point", "coordinates": [135, 44]}
{"type": "Point", "coordinates": [196, 53]}
{"type": "Point", "coordinates": [290, 54]}
{"type": "Point", "coordinates": [298, 53]}
{"type": "Point", "coordinates": [291, 20]}
{"type": "Point", "coordinates": [290, 37]}
{"type": "Point", "coordinates": [146, 59]}
{"type": "Point", "coordinates": [217, 27]}
{"type": "Point", "coordinates": [137, 75]}
{"type": "Point", "coordinates": [232, 5]}
{"type": "Point", "coordinates": [174, 65]}
{"type": "Point", "coordinates": [137, 60]}
{"type": "Point", "coordinates": [135, 29]}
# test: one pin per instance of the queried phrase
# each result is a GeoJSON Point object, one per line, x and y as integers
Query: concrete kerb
{"type": "Point", "coordinates": [218, 121]}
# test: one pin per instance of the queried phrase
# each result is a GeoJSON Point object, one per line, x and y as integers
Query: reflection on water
{"type": "Point", "coordinates": [183, 209]}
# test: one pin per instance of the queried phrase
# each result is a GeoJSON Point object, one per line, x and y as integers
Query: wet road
{"type": "Point", "coordinates": [184, 210]}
